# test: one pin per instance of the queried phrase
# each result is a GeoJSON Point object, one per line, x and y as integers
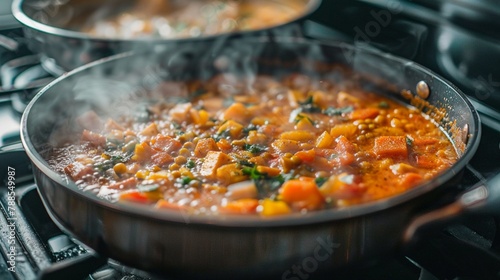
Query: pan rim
{"type": "Point", "coordinates": [297, 219]}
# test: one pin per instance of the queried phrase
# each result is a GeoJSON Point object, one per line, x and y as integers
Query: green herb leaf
{"type": "Point", "coordinates": [300, 117]}
{"type": "Point", "coordinates": [249, 128]}
{"type": "Point", "coordinates": [320, 181]}
{"type": "Point", "coordinates": [224, 134]}
{"type": "Point", "coordinates": [190, 164]}
{"type": "Point", "coordinates": [331, 111]}
{"type": "Point", "coordinates": [409, 140]}
{"type": "Point", "coordinates": [383, 105]}
{"type": "Point", "coordinates": [253, 172]}
{"type": "Point", "coordinates": [148, 188]}
{"type": "Point", "coordinates": [255, 148]}
{"type": "Point", "coordinates": [308, 106]}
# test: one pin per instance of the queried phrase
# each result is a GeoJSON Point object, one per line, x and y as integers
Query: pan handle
{"type": "Point", "coordinates": [483, 199]}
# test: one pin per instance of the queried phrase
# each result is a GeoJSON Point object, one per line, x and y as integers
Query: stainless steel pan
{"type": "Point", "coordinates": [172, 243]}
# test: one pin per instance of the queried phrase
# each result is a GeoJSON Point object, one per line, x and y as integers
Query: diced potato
{"type": "Point", "coordinates": [230, 173]}
{"type": "Point", "coordinates": [233, 127]}
{"type": "Point", "coordinates": [325, 140]}
{"type": "Point", "coordinates": [212, 161]}
{"type": "Point", "coordinates": [274, 208]}
{"type": "Point", "coordinates": [348, 130]}
{"type": "Point", "coordinates": [204, 146]}
{"type": "Point", "coordinates": [297, 135]}
{"type": "Point", "coordinates": [199, 116]}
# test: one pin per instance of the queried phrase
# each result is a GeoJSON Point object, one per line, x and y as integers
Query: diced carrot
{"type": "Point", "coordinates": [326, 153]}
{"type": "Point", "coordinates": [344, 150]}
{"type": "Point", "coordinates": [344, 159]}
{"type": "Point", "coordinates": [302, 193]}
{"type": "Point", "coordinates": [165, 143]}
{"type": "Point", "coordinates": [427, 161]}
{"type": "Point", "coordinates": [240, 206]}
{"type": "Point", "coordinates": [212, 161]}
{"type": "Point", "coordinates": [391, 146]}
{"type": "Point", "coordinates": [411, 179]}
{"type": "Point", "coordinates": [77, 170]}
{"type": "Point", "coordinates": [124, 185]}
{"type": "Point", "coordinates": [306, 156]}
{"type": "Point", "coordinates": [424, 141]}
{"type": "Point", "coordinates": [204, 146]}
{"type": "Point", "coordinates": [324, 140]}
{"type": "Point", "coordinates": [343, 145]}
{"type": "Point", "coordinates": [321, 164]}
{"type": "Point", "coordinates": [366, 113]}
{"type": "Point", "coordinates": [273, 208]}
{"type": "Point", "coordinates": [93, 138]}
{"type": "Point", "coordinates": [162, 158]}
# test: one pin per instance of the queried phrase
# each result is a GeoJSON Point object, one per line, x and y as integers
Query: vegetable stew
{"type": "Point", "coordinates": [181, 19]}
{"type": "Point", "coordinates": [261, 146]}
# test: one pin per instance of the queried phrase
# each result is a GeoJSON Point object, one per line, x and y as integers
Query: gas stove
{"type": "Point", "coordinates": [33, 247]}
